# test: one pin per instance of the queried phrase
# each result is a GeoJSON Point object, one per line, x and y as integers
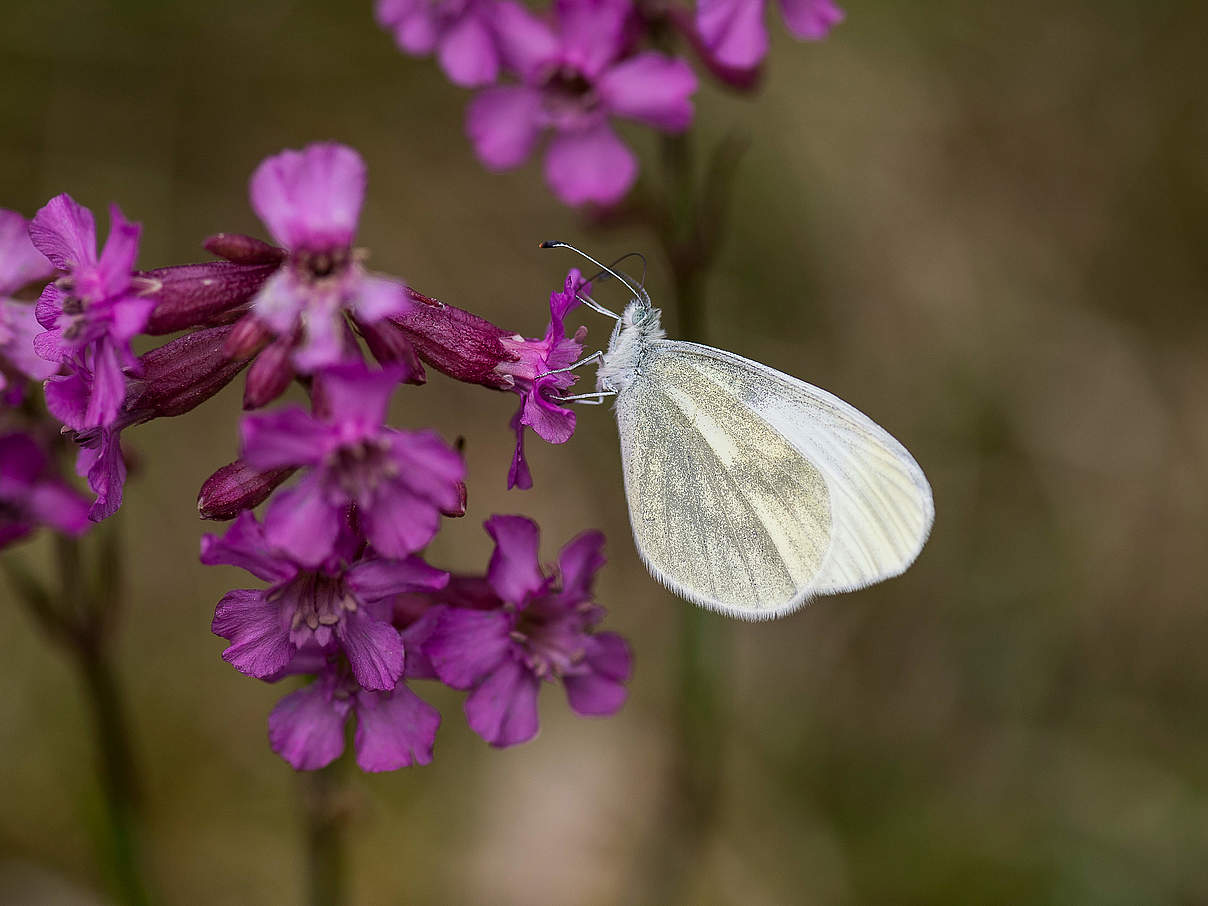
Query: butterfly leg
{"type": "Point", "coordinates": [586, 399]}
{"type": "Point", "coordinates": [597, 356]}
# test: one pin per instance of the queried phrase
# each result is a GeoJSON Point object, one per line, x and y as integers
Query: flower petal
{"type": "Point", "coordinates": [514, 571]}
{"type": "Point", "coordinates": [503, 709]}
{"type": "Point", "coordinates": [67, 399]}
{"type": "Point", "coordinates": [519, 475]}
{"type": "Point", "coordinates": [394, 730]}
{"type": "Point", "coordinates": [119, 254]}
{"type": "Point", "coordinates": [378, 297]}
{"type": "Point", "coordinates": [399, 522]}
{"type": "Point", "coordinates": [306, 728]}
{"type": "Point", "coordinates": [526, 42]}
{"type": "Point", "coordinates": [373, 580]}
{"type": "Point", "coordinates": [590, 32]}
{"type": "Point", "coordinates": [413, 23]}
{"type": "Point", "coordinates": [20, 263]}
{"type": "Point", "coordinates": [258, 630]}
{"type": "Point", "coordinates": [810, 20]}
{"type": "Point", "coordinates": [287, 437]}
{"type": "Point", "coordinates": [579, 561]}
{"type": "Point", "coordinates": [64, 232]}
{"type": "Point", "coordinates": [280, 301]}
{"type": "Point", "coordinates": [502, 123]}
{"type": "Point", "coordinates": [590, 166]}
{"type": "Point", "coordinates": [733, 30]}
{"type": "Point", "coordinates": [467, 644]}
{"type": "Point", "coordinates": [302, 522]}
{"type": "Point", "coordinates": [108, 387]}
{"type": "Point", "coordinates": [245, 546]}
{"type": "Point", "coordinates": [651, 88]}
{"type": "Point", "coordinates": [600, 689]}
{"type": "Point", "coordinates": [467, 52]}
{"type": "Point", "coordinates": [374, 649]}
{"type": "Point", "coordinates": [357, 397]}
{"type": "Point", "coordinates": [311, 198]}
{"type": "Point", "coordinates": [105, 469]}
{"type": "Point", "coordinates": [60, 506]}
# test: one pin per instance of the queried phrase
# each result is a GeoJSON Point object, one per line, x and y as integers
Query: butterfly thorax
{"type": "Point", "coordinates": [631, 338]}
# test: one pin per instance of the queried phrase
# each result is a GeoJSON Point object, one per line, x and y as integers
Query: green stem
{"type": "Point", "coordinates": [76, 616]}
{"type": "Point", "coordinates": [702, 648]}
{"type": "Point", "coordinates": [117, 771]}
{"type": "Point", "coordinates": [326, 817]}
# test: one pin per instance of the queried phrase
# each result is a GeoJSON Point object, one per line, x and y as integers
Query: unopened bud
{"type": "Point", "coordinates": [189, 295]}
{"type": "Point", "coordinates": [269, 375]}
{"type": "Point", "coordinates": [244, 249]}
{"type": "Point", "coordinates": [237, 487]}
{"type": "Point", "coordinates": [182, 374]}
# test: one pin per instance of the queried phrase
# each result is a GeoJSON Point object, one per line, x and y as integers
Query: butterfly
{"type": "Point", "coordinates": [750, 491]}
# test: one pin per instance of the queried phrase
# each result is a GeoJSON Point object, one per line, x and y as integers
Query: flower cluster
{"type": "Point", "coordinates": [588, 62]}
{"type": "Point", "coordinates": [349, 501]}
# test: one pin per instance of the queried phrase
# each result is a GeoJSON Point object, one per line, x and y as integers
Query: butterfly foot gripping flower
{"type": "Point", "coordinates": [501, 638]}
{"type": "Point", "coordinates": [472, 349]}
{"type": "Point", "coordinates": [574, 77]}
{"type": "Point", "coordinates": [400, 482]}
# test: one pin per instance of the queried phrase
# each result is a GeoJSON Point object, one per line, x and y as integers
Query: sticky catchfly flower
{"type": "Point", "coordinates": [90, 313]}
{"type": "Point", "coordinates": [310, 200]}
{"type": "Point", "coordinates": [734, 30]}
{"type": "Point", "coordinates": [460, 32]}
{"type": "Point", "coordinates": [472, 349]}
{"type": "Point", "coordinates": [399, 481]}
{"type": "Point", "coordinates": [501, 638]}
{"type": "Point", "coordinates": [339, 607]}
{"type": "Point", "coordinates": [573, 78]}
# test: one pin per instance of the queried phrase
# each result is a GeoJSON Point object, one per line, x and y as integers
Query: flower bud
{"type": "Point", "coordinates": [182, 374]}
{"type": "Point", "coordinates": [189, 295]}
{"type": "Point", "coordinates": [455, 342]}
{"type": "Point", "coordinates": [237, 487]}
{"type": "Point", "coordinates": [390, 346]}
{"type": "Point", "coordinates": [244, 249]}
{"type": "Point", "coordinates": [269, 375]}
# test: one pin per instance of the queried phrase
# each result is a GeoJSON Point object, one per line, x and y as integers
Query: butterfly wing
{"type": "Point", "coordinates": [750, 491]}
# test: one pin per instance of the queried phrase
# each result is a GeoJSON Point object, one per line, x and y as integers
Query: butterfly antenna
{"type": "Point", "coordinates": [549, 244]}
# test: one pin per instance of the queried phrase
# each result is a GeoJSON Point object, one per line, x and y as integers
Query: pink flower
{"type": "Point", "coordinates": [400, 482]}
{"type": "Point", "coordinates": [340, 606]}
{"type": "Point", "coordinates": [501, 638]}
{"type": "Point", "coordinates": [735, 32]}
{"type": "Point", "coordinates": [90, 313]}
{"type": "Point", "coordinates": [472, 349]}
{"type": "Point", "coordinates": [460, 32]}
{"type": "Point", "coordinates": [574, 78]}
{"type": "Point", "coordinates": [20, 265]}
{"type": "Point", "coordinates": [310, 200]}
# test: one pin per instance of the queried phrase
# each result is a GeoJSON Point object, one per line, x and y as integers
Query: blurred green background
{"type": "Point", "coordinates": [986, 225]}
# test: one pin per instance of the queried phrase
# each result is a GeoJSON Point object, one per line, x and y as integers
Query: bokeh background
{"type": "Point", "coordinates": [986, 225]}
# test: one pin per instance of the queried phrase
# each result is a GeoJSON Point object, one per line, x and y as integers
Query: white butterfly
{"type": "Point", "coordinates": [751, 491]}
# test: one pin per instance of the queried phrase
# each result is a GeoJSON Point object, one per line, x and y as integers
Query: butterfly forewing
{"type": "Point", "coordinates": [725, 510]}
{"type": "Point", "coordinates": [751, 491]}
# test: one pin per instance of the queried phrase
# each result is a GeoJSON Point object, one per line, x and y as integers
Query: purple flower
{"type": "Point", "coordinates": [310, 200]}
{"type": "Point", "coordinates": [501, 638]}
{"type": "Point", "coordinates": [472, 349]}
{"type": "Point", "coordinates": [400, 482]}
{"type": "Point", "coordinates": [91, 312]}
{"type": "Point", "coordinates": [20, 265]}
{"type": "Point", "coordinates": [395, 729]}
{"type": "Point", "coordinates": [339, 606]}
{"type": "Point", "coordinates": [461, 32]}
{"type": "Point", "coordinates": [735, 32]}
{"type": "Point", "coordinates": [534, 359]}
{"type": "Point", "coordinates": [573, 78]}
{"type": "Point", "coordinates": [31, 494]}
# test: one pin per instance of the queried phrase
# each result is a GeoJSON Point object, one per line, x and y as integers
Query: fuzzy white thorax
{"type": "Point", "coordinates": [638, 328]}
